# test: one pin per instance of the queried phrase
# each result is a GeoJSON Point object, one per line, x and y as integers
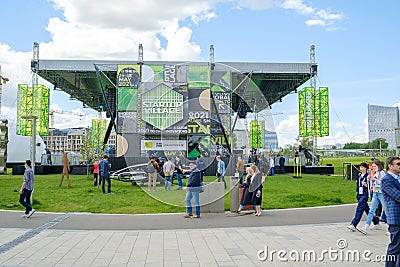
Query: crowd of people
{"type": "Point", "coordinates": [373, 183]}
{"type": "Point", "coordinates": [382, 188]}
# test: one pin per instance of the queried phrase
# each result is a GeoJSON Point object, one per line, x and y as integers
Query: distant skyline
{"type": "Point", "coordinates": [356, 47]}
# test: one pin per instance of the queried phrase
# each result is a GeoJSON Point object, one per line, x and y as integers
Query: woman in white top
{"type": "Point", "coordinates": [377, 196]}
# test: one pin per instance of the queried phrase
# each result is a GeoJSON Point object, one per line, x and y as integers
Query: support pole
{"type": "Point", "coordinates": [33, 139]}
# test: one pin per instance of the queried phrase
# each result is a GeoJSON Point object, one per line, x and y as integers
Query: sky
{"type": "Point", "coordinates": [356, 47]}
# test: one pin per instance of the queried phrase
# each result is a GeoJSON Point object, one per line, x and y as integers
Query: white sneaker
{"type": "Point", "coordinates": [362, 230]}
{"type": "Point", "coordinates": [31, 213]}
{"type": "Point", "coordinates": [378, 226]}
{"type": "Point", "coordinates": [24, 216]}
{"type": "Point", "coordinates": [351, 227]}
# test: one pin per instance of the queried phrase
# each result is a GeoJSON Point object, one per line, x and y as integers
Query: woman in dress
{"type": "Point", "coordinates": [247, 196]}
{"type": "Point", "coordinates": [256, 189]}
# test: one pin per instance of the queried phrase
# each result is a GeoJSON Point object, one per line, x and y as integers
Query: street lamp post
{"type": "Point", "coordinates": [33, 139]}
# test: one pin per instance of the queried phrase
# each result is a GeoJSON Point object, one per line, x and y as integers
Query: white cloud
{"type": "Point", "coordinates": [327, 15]}
{"type": "Point", "coordinates": [72, 119]}
{"type": "Point", "coordinates": [204, 16]}
{"type": "Point", "coordinates": [315, 22]}
{"type": "Point", "coordinates": [287, 130]}
{"type": "Point", "coordinates": [179, 46]}
{"type": "Point", "coordinates": [15, 66]}
{"type": "Point", "coordinates": [132, 14]}
{"type": "Point", "coordinates": [341, 124]}
{"type": "Point", "coordinates": [318, 17]}
{"type": "Point", "coordinates": [258, 4]}
{"type": "Point", "coordinates": [298, 6]}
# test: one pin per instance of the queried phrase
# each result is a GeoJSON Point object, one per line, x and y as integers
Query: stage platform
{"type": "Point", "coordinates": [49, 169]}
{"type": "Point", "coordinates": [324, 170]}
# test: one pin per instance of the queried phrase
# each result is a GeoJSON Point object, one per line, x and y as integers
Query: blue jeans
{"type": "Point", "coordinates": [179, 176]}
{"type": "Point", "coordinates": [25, 200]}
{"type": "Point", "coordinates": [168, 183]}
{"type": "Point", "coordinates": [376, 199]}
{"type": "Point", "coordinates": [196, 197]}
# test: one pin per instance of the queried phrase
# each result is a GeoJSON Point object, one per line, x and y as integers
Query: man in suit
{"type": "Point", "coordinates": [390, 187]}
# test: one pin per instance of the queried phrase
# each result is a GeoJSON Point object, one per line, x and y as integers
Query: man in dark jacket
{"type": "Point", "coordinates": [104, 170]}
{"type": "Point", "coordinates": [193, 188]}
{"type": "Point", "coordinates": [390, 187]}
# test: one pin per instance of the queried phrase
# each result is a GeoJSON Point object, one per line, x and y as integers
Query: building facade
{"type": "Point", "coordinates": [382, 122]}
{"type": "Point", "coordinates": [70, 140]}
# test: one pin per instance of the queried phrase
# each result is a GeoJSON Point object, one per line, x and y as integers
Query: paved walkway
{"type": "Point", "coordinates": [77, 239]}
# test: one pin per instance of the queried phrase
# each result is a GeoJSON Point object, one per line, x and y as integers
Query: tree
{"type": "Point", "coordinates": [89, 152]}
{"type": "Point", "coordinates": [379, 143]}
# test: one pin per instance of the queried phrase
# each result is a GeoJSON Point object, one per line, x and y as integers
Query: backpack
{"type": "Point", "coordinates": [150, 168]}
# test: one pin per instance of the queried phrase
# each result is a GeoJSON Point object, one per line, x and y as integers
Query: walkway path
{"type": "Point", "coordinates": [77, 239]}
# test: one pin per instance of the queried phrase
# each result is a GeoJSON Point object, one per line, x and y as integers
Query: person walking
{"type": "Point", "coordinates": [377, 197]}
{"type": "Point", "coordinates": [179, 172]}
{"type": "Point", "coordinates": [390, 187]}
{"type": "Point", "coordinates": [66, 169]}
{"type": "Point", "coordinates": [26, 190]}
{"type": "Point", "coordinates": [168, 169]}
{"type": "Point", "coordinates": [104, 169]}
{"type": "Point", "coordinates": [221, 170]}
{"type": "Point", "coordinates": [95, 173]}
{"type": "Point", "coordinates": [256, 189]}
{"type": "Point", "coordinates": [362, 198]}
{"type": "Point", "coordinates": [240, 169]}
{"type": "Point", "coordinates": [193, 188]}
{"type": "Point", "coordinates": [152, 167]}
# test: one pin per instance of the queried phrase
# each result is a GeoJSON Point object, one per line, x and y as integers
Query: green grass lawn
{"type": "Point", "coordinates": [280, 191]}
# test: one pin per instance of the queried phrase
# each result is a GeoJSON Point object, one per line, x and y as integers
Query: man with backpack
{"type": "Point", "coordinates": [152, 167]}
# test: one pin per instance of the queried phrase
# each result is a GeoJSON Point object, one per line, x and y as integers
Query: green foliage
{"type": "Point", "coordinates": [379, 143]}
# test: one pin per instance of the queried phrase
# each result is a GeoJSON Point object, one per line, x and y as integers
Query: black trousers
{"type": "Point", "coordinates": [25, 200]}
{"type": "Point", "coordinates": [103, 179]}
{"type": "Point", "coordinates": [361, 208]}
{"type": "Point", "coordinates": [393, 250]}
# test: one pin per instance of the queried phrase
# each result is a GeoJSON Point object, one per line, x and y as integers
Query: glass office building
{"type": "Point", "coordinates": [382, 122]}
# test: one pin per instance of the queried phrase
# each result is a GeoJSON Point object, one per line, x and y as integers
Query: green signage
{"type": "Point", "coordinates": [33, 101]}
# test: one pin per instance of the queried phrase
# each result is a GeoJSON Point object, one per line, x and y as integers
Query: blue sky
{"type": "Point", "coordinates": [356, 45]}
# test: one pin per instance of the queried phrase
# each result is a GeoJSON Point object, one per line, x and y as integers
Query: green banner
{"type": "Point", "coordinates": [314, 112]}
{"type": "Point", "coordinates": [34, 102]}
{"type": "Point", "coordinates": [99, 128]}
{"type": "Point", "coordinates": [257, 133]}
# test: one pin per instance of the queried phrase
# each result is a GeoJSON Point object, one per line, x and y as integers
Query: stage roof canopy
{"type": "Point", "coordinates": [78, 77]}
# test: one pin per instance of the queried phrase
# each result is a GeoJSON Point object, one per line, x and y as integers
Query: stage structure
{"type": "Point", "coordinates": [166, 108]}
